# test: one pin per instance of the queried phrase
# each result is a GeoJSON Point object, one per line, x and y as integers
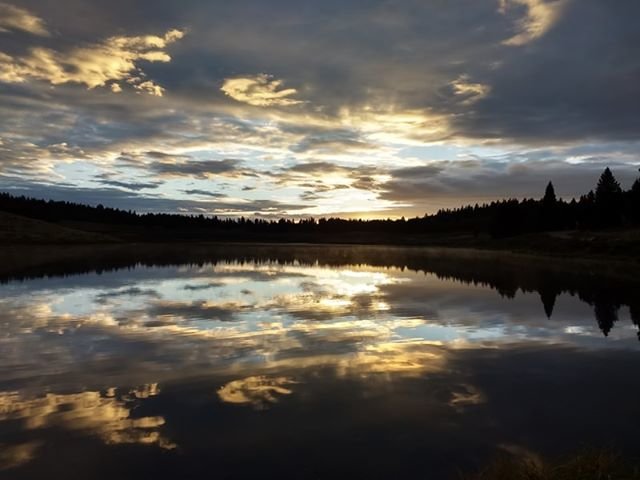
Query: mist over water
{"type": "Point", "coordinates": [339, 362]}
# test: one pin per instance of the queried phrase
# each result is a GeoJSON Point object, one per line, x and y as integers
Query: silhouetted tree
{"type": "Point", "coordinates": [606, 314]}
{"type": "Point", "coordinates": [608, 206]}
{"type": "Point", "coordinates": [549, 199]}
{"type": "Point", "coordinates": [634, 313]}
{"type": "Point", "coordinates": [608, 200]}
{"type": "Point", "coordinates": [549, 217]}
{"type": "Point", "coordinates": [635, 188]}
{"type": "Point", "coordinates": [634, 202]}
{"type": "Point", "coordinates": [608, 187]}
{"type": "Point", "coordinates": [548, 297]}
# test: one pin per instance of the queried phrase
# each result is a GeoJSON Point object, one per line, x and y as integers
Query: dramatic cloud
{"type": "Point", "coordinates": [196, 168]}
{"type": "Point", "coordinates": [13, 456]}
{"type": "Point", "coordinates": [539, 17]}
{"type": "Point", "coordinates": [112, 61]}
{"type": "Point", "coordinates": [368, 109]}
{"type": "Point", "coordinates": [130, 185]}
{"type": "Point", "coordinates": [204, 193]}
{"type": "Point", "coordinates": [15, 18]}
{"type": "Point", "coordinates": [19, 156]}
{"type": "Point", "coordinates": [261, 90]}
{"type": "Point", "coordinates": [447, 184]}
{"type": "Point", "coordinates": [257, 391]}
{"type": "Point", "coordinates": [469, 92]}
{"type": "Point", "coordinates": [130, 200]}
{"type": "Point", "coordinates": [106, 416]}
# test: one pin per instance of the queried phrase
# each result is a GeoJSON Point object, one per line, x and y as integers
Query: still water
{"type": "Point", "coordinates": [300, 362]}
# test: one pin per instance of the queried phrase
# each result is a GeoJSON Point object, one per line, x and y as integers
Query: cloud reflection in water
{"type": "Point", "coordinates": [108, 416]}
{"type": "Point", "coordinates": [259, 333]}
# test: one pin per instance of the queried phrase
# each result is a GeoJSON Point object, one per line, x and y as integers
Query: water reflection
{"type": "Point", "coordinates": [105, 415]}
{"type": "Point", "coordinates": [423, 350]}
{"type": "Point", "coordinates": [256, 391]}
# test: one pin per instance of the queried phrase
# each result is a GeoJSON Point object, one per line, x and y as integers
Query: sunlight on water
{"type": "Point", "coordinates": [89, 356]}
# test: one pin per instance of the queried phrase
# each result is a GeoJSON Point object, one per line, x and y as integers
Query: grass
{"type": "Point", "coordinates": [15, 229]}
{"type": "Point", "coordinates": [590, 464]}
{"type": "Point", "coordinates": [621, 244]}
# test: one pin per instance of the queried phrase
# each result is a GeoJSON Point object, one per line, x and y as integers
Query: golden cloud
{"type": "Point", "coordinates": [258, 391]}
{"type": "Point", "coordinates": [540, 16]}
{"type": "Point", "coordinates": [106, 416]}
{"type": "Point", "coordinates": [410, 357]}
{"type": "Point", "coordinates": [116, 59]}
{"type": "Point", "coordinates": [12, 456]}
{"type": "Point", "coordinates": [261, 91]}
{"type": "Point", "coordinates": [470, 92]}
{"type": "Point", "coordinates": [468, 395]}
{"type": "Point", "coordinates": [15, 18]}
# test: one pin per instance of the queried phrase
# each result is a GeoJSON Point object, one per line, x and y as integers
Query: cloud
{"type": "Point", "coordinates": [107, 416]}
{"type": "Point", "coordinates": [12, 456]}
{"type": "Point", "coordinates": [148, 87]}
{"type": "Point", "coordinates": [137, 186]}
{"type": "Point", "coordinates": [323, 176]}
{"type": "Point", "coordinates": [127, 292]}
{"type": "Point", "coordinates": [328, 141]}
{"type": "Point", "coordinates": [261, 91]}
{"type": "Point", "coordinates": [258, 391]}
{"type": "Point", "coordinates": [16, 18]}
{"type": "Point", "coordinates": [167, 165]}
{"type": "Point", "coordinates": [197, 168]}
{"type": "Point", "coordinates": [109, 62]}
{"type": "Point", "coordinates": [448, 184]}
{"type": "Point", "coordinates": [468, 91]}
{"type": "Point", "coordinates": [570, 87]}
{"type": "Point", "coordinates": [117, 198]}
{"type": "Point", "coordinates": [19, 156]}
{"type": "Point", "coordinates": [199, 310]}
{"type": "Point", "coordinates": [540, 16]}
{"type": "Point", "coordinates": [317, 168]}
{"type": "Point", "coordinates": [204, 193]}
{"type": "Point", "coordinates": [467, 395]}
{"type": "Point", "coordinates": [386, 85]}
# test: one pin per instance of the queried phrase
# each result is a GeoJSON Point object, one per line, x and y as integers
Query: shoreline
{"type": "Point", "coordinates": [36, 259]}
{"type": "Point", "coordinates": [583, 245]}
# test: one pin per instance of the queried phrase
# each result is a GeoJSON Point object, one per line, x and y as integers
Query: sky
{"type": "Point", "coordinates": [283, 108]}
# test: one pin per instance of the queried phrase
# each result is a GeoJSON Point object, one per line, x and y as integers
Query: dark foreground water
{"type": "Point", "coordinates": [311, 363]}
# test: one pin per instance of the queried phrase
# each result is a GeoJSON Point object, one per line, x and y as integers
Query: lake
{"type": "Point", "coordinates": [308, 361]}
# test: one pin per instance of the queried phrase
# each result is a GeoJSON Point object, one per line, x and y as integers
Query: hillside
{"type": "Point", "coordinates": [16, 229]}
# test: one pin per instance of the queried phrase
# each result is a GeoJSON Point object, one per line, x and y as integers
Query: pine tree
{"type": "Point", "coordinates": [634, 201]}
{"type": "Point", "coordinates": [608, 200]}
{"type": "Point", "coordinates": [549, 214]}
{"type": "Point", "coordinates": [549, 195]}
{"type": "Point", "coordinates": [608, 187]}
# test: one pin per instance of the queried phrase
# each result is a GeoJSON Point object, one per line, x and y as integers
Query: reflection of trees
{"type": "Point", "coordinates": [606, 304]}
{"type": "Point", "coordinates": [634, 312]}
{"type": "Point", "coordinates": [606, 315]}
{"type": "Point", "coordinates": [606, 290]}
{"type": "Point", "coordinates": [548, 297]}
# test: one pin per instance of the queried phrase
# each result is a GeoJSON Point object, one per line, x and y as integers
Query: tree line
{"type": "Point", "coordinates": [608, 206]}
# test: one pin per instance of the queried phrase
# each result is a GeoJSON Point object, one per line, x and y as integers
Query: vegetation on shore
{"type": "Point", "coordinates": [605, 221]}
{"type": "Point", "coordinates": [591, 464]}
